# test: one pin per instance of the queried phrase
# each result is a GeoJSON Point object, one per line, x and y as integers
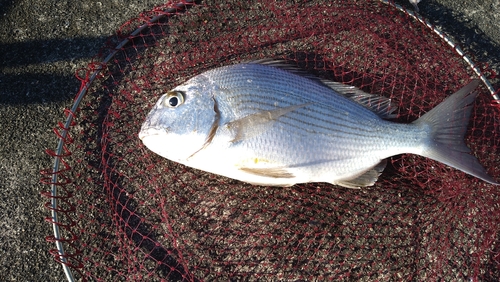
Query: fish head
{"type": "Point", "coordinates": [181, 120]}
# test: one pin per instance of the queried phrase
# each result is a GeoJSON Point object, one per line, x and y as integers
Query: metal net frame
{"type": "Point", "coordinates": [120, 212]}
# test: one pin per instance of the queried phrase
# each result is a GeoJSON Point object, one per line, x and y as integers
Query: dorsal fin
{"type": "Point", "coordinates": [380, 105]}
{"type": "Point", "coordinates": [286, 66]}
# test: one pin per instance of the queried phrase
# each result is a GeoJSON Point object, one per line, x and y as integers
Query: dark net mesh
{"type": "Point", "coordinates": [128, 214]}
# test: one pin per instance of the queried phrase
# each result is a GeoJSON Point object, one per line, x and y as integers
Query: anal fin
{"type": "Point", "coordinates": [368, 178]}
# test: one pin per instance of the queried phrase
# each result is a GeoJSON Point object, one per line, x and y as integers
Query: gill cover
{"type": "Point", "coordinates": [183, 121]}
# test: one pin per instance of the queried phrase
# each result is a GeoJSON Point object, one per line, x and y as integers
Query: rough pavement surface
{"type": "Point", "coordinates": [43, 43]}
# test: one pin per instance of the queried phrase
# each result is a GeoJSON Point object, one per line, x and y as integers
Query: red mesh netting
{"type": "Point", "coordinates": [128, 214]}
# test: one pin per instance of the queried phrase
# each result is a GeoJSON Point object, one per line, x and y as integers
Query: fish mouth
{"type": "Point", "coordinates": [151, 131]}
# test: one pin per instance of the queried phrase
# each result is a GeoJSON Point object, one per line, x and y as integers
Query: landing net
{"type": "Point", "coordinates": [122, 213]}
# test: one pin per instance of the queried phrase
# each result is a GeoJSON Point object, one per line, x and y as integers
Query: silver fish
{"type": "Point", "coordinates": [267, 123]}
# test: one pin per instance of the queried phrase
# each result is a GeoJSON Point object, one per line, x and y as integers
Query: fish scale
{"type": "Point", "coordinates": [290, 90]}
{"type": "Point", "coordinates": [268, 123]}
{"type": "Point", "coordinates": [321, 119]}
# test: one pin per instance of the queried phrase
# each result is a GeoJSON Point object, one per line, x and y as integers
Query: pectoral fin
{"type": "Point", "coordinates": [368, 178]}
{"type": "Point", "coordinates": [256, 124]}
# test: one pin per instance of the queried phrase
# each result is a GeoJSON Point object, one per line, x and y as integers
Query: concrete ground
{"type": "Point", "coordinates": [43, 43]}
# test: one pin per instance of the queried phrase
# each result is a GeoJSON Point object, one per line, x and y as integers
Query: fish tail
{"type": "Point", "coordinates": [448, 122]}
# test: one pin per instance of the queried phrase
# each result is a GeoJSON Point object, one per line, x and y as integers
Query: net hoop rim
{"type": "Point", "coordinates": [450, 42]}
{"type": "Point", "coordinates": [52, 176]}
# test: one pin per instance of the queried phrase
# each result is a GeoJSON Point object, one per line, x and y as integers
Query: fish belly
{"type": "Point", "coordinates": [287, 154]}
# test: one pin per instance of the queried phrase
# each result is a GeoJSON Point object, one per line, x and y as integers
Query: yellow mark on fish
{"type": "Point", "coordinates": [254, 161]}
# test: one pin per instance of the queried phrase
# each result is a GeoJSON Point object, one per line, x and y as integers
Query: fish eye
{"type": "Point", "coordinates": [173, 99]}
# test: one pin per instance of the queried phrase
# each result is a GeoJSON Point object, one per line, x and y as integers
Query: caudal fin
{"type": "Point", "coordinates": [449, 122]}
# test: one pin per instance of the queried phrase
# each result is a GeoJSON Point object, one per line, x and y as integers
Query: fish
{"type": "Point", "coordinates": [266, 122]}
